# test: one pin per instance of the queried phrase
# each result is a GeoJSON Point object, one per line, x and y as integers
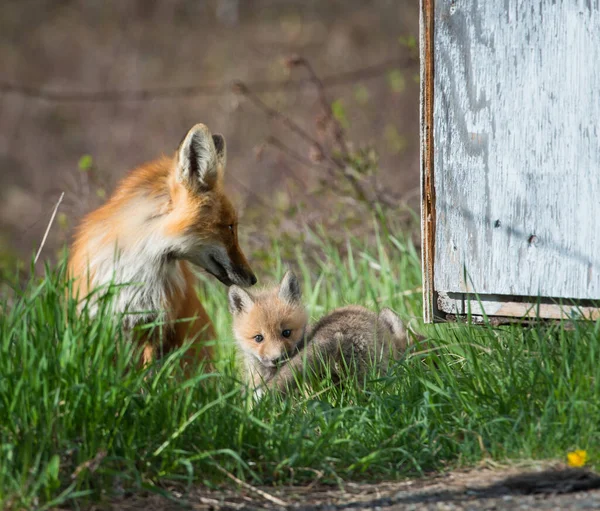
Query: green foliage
{"type": "Point", "coordinates": [395, 141]}
{"type": "Point", "coordinates": [363, 161]}
{"type": "Point", "coordinates": [339, 112]}
{"type": "Point", "coordinates": [408, 41]}
{"type": "Point", "coordinates": [10, 264]}
{"type": "Point", "coordinates": [361, 94]}
{"type": "Point", "coordinates": [85, 163]}
{"type": "Point", "coordinates": [78, 419]}
{"type": "Point", "coordinates": [396, 80]}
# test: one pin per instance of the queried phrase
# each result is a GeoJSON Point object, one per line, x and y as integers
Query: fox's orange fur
{"type": "Point", "coordinates": [164, 216]}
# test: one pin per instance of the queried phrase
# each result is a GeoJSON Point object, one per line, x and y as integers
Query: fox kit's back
{"type": "Point", "coordinates": [354, 332]}
{"type": "Point", "coordinates": [349, 340]}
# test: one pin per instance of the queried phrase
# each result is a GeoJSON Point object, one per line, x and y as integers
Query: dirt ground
{"type": "Point", "coordinates": [541, 486]}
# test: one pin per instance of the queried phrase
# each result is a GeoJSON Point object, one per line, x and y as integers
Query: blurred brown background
{"type": "Point", "coordinates": [76, 54]}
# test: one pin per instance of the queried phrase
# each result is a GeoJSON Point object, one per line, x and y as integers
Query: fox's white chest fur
{"type": "Point", "coordinates": [164, 216]}
{"type": "Point", "coordinates": [146, 277]}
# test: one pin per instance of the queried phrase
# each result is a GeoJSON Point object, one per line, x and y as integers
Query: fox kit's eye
{"type": "Point", "coordinates": [259, 338]}
{"type": "Point", "coordinates": [230, 227]}
{"type": "Point", "coordinates": [286, 333]}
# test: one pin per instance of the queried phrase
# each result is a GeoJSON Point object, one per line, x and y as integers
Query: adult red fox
{"type": "Point", "coordinates": [163, 216]}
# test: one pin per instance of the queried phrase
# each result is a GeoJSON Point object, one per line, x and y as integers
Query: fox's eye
{"type": "Point", "coordinates": [286, 333]}
{"type": "Point", "coordinates": [230, 227]}
{"type": "Point", "coordinates": [259, 338]}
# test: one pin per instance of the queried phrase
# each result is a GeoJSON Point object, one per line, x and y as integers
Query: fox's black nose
{"type": "Point", "coordinates": [253, 279]}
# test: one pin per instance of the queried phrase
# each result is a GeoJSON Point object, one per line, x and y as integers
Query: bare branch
{"type": "Point", "coordinates": [325, 104]}
{"type": "Point", "coordinates": [275, 142]}
{"type": "Point", "coordinates": [258, 491]}
{"type": "Point", "coordinates": [243, 89]}
{"type": "Point", "coordinates": [365, 192]}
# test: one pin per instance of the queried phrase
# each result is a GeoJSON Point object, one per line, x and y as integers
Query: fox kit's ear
{"type": "Point", "coordinates": [199, 157]}
{"type": "Point", "coordinates": [239, 300]}
{"type": "Point", "coordinates": [389, 319]}
{"type": "Point", "coordinates": [289, 289]}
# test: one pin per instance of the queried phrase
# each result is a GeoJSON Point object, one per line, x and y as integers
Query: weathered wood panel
{"type": "Point", "coordinates": [427, 189]}
{"type": "Point", "coordinates": [490, 305]}
{"type": "Point", "coordinates": [516, 158]}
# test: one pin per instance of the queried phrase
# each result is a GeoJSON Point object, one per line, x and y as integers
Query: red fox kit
{"type": "Point", "coordinates": [271, 332]}
{"type": "Point", "coordinates": [164, 217]}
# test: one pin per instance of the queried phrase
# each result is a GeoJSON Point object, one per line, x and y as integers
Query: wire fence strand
{"type": "Point", "coordinates": [173, 92]}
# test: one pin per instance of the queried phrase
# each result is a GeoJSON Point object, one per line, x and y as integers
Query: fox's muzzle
{"type": "Point", "coordinates": [239, 276]}
{"type": "Point", "coordinates": [229, 267]}
{"type": "Point", "coordinates": [239, 271]}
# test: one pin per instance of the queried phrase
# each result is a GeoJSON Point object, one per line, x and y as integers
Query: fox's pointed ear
{"type": "Point", "coordinates": [239, 300]}
{"type": "Point", "coordinates": [289, 289]}
{"type": "Point", "coordinates": [221, 148]}
{"type": "Point", "coordinates": [199, 158]}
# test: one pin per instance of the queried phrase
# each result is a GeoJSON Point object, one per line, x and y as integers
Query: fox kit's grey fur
{"type": "Point", "coordinates": [349, 338]}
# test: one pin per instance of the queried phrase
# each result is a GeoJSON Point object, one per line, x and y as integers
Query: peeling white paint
{"type": "Point", "coordinates": [517, 147]}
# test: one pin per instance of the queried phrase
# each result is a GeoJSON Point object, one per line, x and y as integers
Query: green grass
{"type": "Point", "coordinates": [76, 421]}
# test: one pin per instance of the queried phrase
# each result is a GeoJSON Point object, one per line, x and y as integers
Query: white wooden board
{"type": "Point", "coordinates": [516, 147]}
{"type": "Point", "coordinates": [498, 306]}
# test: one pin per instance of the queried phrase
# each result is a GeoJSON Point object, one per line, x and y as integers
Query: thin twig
{"type": "Point", "coordinates": [259, 198]}
{"type": "Point", "coordinates": [338, 134]}
{"type": "Point", "coordinates": [275, 142]}
{"type": "Point", "coordinates": [258, 491]}
{"type": "Point", "coordinates": [278, 144]}
{"type": "Point", "coordinates": [91, 465]}
{"type": "Point", "coordinates": [48, 228]}
{"type": "Point", "coordinates": [359, 188]}
{"type": "Point", "coordinates": [243, 89]}
{"type": "Point", "coordinates": [338, 129]}
{"type": "Point", "coordinates": [341, 162]}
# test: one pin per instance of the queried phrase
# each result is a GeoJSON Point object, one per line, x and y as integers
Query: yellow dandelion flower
{"type": "Point", "coordinates": [577, 458]}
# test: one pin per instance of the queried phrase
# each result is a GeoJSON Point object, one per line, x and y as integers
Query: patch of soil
{"type": "Point", "coordinates": [519, 487]}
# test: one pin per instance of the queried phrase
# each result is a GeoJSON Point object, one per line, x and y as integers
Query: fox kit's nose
{"type": "Point", "coordinates": [280, 359]}
{"type": "Point", "coordinates": [267, 362]}
{"type": "Point", "coordinates": [253, 279]}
